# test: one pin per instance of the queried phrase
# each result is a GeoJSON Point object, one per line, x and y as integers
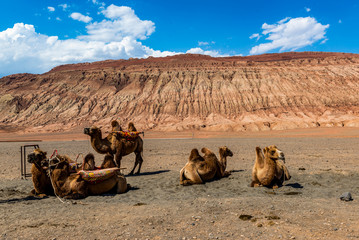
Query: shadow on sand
{"type": "Point", "coordinates": [294, 185]}
{"type": "Point", "coordinates": [15, 200]}
{"type": "Point", "coordinates": [148, 173]}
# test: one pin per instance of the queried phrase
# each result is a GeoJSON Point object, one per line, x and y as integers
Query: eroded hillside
{"type": "Point", "coordinates": [271, 91]}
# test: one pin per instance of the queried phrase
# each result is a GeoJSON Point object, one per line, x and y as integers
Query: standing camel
{"type": "Point", "coordinates": [116, 145]}
{"type": "Point", "coordinates": [200, 169]}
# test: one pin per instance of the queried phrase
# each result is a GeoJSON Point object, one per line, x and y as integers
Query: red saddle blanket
{"type": "Point", "coordinates": [127, 134]}
{"type": "Point", "coordinates": [96, 176]}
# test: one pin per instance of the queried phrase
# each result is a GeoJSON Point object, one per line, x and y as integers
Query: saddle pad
{"type": "Point", "coordinates": [128, 135]}
{"type": "Point", "coordinates": [98, 175]}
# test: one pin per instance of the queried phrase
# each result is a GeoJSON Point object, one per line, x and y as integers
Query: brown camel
{"type": "Point", "coordinates": [114, 144]}
{"type": "Point", "coordinates": [72, 186]}
{"type": "Point", "coordinates": [200, 169]}
{"type": "Point", "coordinates": [40, 179]}
{"type": "Point", "coordinates": [268, 169]}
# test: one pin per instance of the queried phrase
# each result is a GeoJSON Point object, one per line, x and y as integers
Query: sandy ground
{"type": "Point", "coordinates": [157, 207]}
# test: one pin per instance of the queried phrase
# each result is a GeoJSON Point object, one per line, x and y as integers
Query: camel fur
{"type": "Point", "coordinates": [116, 145]}
{"type": "Point", "coordinates": [40, 179]}
{"type": "Point", "coordinates": [269, 169]}
{"type": "Point", "coordinates": [72, 186]}
{"type": "Point", "coordinates": [199, 170]}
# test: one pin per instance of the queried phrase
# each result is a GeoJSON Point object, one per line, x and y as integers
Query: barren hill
{"type": "Point", "coordinates": [271, 91]}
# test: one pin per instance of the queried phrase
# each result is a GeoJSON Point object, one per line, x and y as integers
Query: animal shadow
{"type": "Point", "coordinates": [294, 185]}
{"type": "Point", "coordinates": [15, 200]}
{"type": "Point", "coordinates": [148, 173]}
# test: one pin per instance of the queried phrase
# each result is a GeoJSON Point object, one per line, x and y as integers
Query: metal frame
{"type": "Point", "coordinates": [23, 159]}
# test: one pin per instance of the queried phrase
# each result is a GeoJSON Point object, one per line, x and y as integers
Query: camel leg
{"type": "Point", "coordinates": [122, 185]}
{"type": "Point", "coordinates": [138, 161]}
{"type": "Point", "coordinates": [118, 158]}
{"type": "Point", "coordinates": [190, 177]}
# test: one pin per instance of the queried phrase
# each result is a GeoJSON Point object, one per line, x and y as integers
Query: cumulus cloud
{"type": "Point", "coordinates": [122, 22]}
{"type": "Point", "coordinates": [80, 17]}
{"type": "Point", "coordinates": [116, 37]}
{"type": "Point", "coordinates": [307, 9]}
{"type": "Point", "coordinates": [204, 52]}
{"type": "Point", "coordinates": [64, 6]}
{"type": "Point", "coordinates": [291, 34]}
{"type": "Point", "coordinates": [51, 9]}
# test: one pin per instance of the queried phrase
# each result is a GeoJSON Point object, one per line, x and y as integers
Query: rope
{"type": "Point", "coordinates": [52, 183]}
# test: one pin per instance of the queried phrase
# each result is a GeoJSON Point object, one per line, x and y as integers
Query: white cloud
{"type": "Point", "coordinates": [25, 50]}
{"type": "Point", "coordinates": [205, 43]}
{"type": "Point", "coordinates": [307, 9]}
{"type": "Point", "coordinates": [79, 17]}
{"type": "Point", "coordinates": [209, 52]}
{"type": "Point", "coordinates": [340, 21]}
{"type": "Point", "coordinates": [51, 9]}
{"type": "Point", "coordinates": [58, 19]}
{"type": "Point", "coordinates": [64, 6]}
{"type": "Point", "coordinates": [123, 22]}
{"type": "Point", "coordinates": [256, 36]}
{"type": "Point", "coordinates": [291, 34]}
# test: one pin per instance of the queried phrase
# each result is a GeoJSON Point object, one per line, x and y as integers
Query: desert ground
{"type": "Point", "coordinates": [323, 164]}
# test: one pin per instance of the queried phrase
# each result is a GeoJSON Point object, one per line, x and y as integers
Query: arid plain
{"type": "Point", "coordinates": [323, 163]}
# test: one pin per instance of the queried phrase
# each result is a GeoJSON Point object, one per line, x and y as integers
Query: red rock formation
{"type": "Point", "coordinates": [270, 91]}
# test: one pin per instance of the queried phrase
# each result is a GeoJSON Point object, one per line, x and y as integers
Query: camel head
{"type": "Point", "coordinates": [225, 152]}
{"type": "Point", "coordinates": [92, 131]}
{"type": "Point", "coordinates": [37, 157]}
{"type": "Point", "coordinates": [274, 153]}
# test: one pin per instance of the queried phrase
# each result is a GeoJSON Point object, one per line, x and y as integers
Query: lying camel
{"type": "Point", "coordinates": [72, 186]}
{"type": "Point", "coordinates": [200, 169]}
{"type": "Point", "coordinates": [269, 170]}
{"type": "Point", "coordinates": [40, 179]}
{"type": "Point", "coordinates": [116, 145]}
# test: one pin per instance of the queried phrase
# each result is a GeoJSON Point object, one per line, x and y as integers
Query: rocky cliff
{"type": "Point", "coordinates": [271, 91]}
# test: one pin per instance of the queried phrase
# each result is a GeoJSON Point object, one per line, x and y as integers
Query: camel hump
{"type": "Point", "coordinates": [131, 127]}
{"type": "Point", "coordinates": [89, 156]}
{"type": "Point", "coordinates": [194, 156]}
{"type": "Point", "coordinates": [206, 151]}
{"type": "Point", "coordinates": [115, 126]}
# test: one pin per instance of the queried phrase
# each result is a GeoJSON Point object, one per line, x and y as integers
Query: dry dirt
{"type": "Point", "coordinates": [323, 164]}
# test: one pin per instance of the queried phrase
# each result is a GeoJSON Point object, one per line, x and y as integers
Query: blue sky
{"type": "Point", "coordinates": [36, 36]}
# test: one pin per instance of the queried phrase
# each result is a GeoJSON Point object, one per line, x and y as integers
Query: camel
{"type": "Point", "coordinates": [268, 169]}
{"type": "Point", "coordinates": [116, 145]}
{"type": "Point", "coordinates": [40, 179]}
{"type": "Point", "coordinates": [199, 170]}
{"type": "Point", "coordinates": [72, 186]}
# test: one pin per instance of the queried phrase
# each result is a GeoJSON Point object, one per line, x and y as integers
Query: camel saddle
{"type": "Point", "coordinates": [96, 176]}
{"type": "Point", "coordinates": [128, 134]}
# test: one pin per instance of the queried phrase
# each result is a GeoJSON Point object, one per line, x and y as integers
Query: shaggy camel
{"type": "Point", "coordinates": [116, 145]}
{"type": "Point", "coordinates": [268, 169]}
{"type": "Point", "coordinates": [72, 186]}
{"type": "Point", "coordinates": [40, 179]}
{"type": "Point", "coordinates": [200, 169]}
